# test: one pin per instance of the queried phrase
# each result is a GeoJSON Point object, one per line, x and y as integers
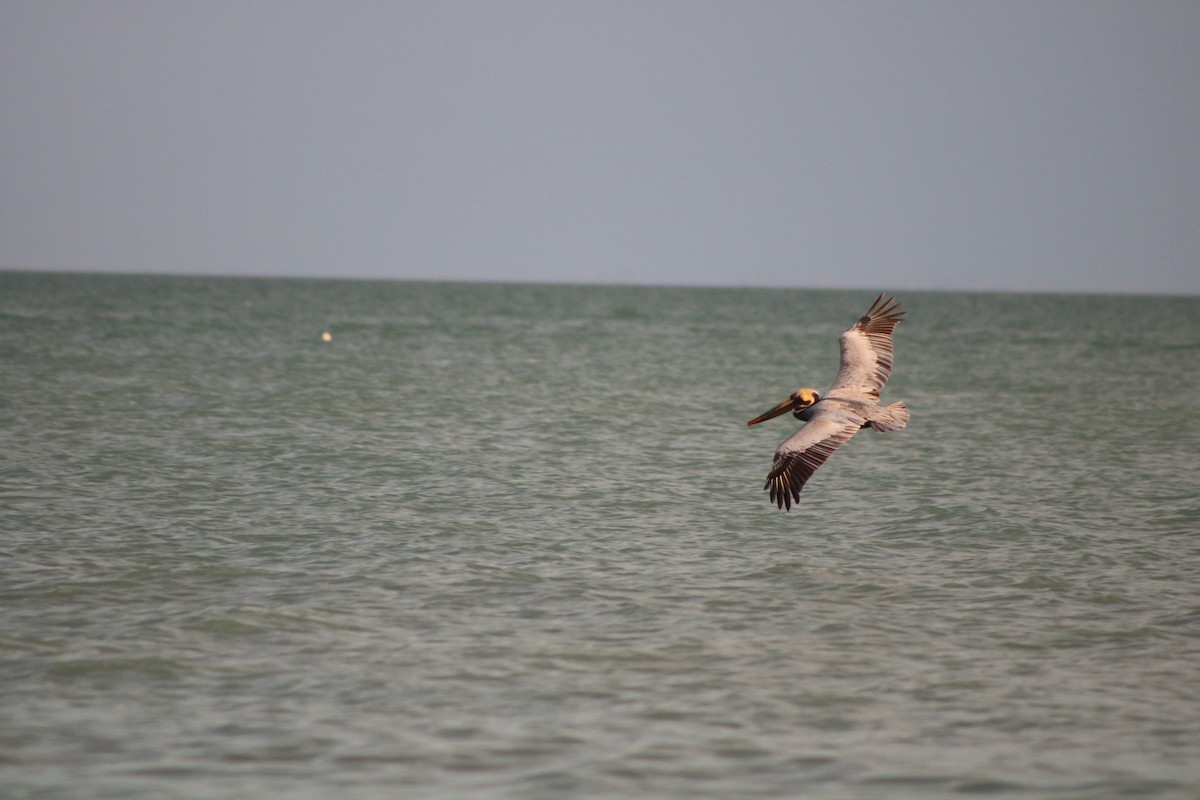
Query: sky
{"type": "Point", "coordinates": [1012, 146]}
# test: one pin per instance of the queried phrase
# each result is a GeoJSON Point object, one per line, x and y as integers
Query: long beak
{"type": "Point", "coordinates": [782, 408]}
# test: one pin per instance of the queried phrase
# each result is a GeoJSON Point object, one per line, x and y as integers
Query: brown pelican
{"type": "Point", "coordinates": [852, 403]}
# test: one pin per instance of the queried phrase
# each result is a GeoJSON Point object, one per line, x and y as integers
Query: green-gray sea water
{"type": "Point", "coordinates": [510, 541]}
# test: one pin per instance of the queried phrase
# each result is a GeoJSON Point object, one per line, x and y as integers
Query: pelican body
{"type": "Point", "coordinates": [850, 404]}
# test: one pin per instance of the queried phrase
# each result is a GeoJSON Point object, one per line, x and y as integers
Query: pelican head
{"type": "Point", "coordinates": [800, 404]}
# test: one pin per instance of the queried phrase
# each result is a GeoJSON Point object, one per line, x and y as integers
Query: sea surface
{"type": "Point", "coordinates": [510, 541]}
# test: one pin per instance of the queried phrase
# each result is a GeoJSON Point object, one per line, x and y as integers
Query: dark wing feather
{"type": "Point", "coordinates": [807, 449]}
{"type": "Point", "coordinates": [867, 349]}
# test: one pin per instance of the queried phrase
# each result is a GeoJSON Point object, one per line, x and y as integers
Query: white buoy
{"type": "Point", "coordinates": [326, 336]}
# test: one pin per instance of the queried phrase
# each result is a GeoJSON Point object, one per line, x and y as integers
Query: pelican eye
{"type": "Point", "coordinates": [806, 397]}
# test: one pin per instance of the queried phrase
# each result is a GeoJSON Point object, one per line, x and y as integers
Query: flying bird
{"type": "Point", "coordinates": [851, 404]}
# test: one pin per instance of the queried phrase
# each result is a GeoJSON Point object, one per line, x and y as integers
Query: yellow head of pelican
{"type": "Point", "coordinates": [800, 400]}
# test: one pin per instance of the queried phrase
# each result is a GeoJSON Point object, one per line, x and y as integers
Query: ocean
{"type": "Point", "coordinates": [510, 541]}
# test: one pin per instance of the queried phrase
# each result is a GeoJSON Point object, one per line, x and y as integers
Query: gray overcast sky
{"type": "Point", "coordinates": [891, 145]}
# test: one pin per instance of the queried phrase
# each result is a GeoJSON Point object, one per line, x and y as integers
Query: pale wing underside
{"type": "Point", "coordinates": [867, 350]}
{"type": "Point", "coordinates": [807, 449]}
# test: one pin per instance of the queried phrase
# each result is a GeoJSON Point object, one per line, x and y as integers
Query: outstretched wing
{"type": "Point", "coordinates": [807, 449]}
{"type": "Point", "coordinates": [867, 349]}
